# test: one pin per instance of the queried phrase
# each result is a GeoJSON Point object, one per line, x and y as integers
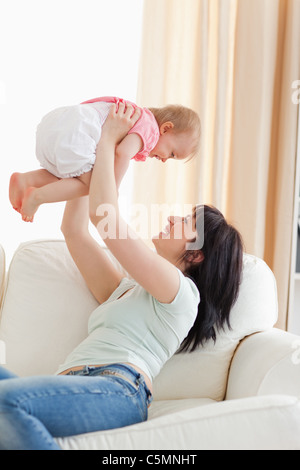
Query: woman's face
{"type": "Point", "coordinates": [172, 242]}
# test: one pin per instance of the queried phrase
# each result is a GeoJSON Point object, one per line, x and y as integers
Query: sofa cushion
{"type": "Point", "coordinates": [45, 309]}
{"type": "Point", "coordinates": [204, 372]}
{"type": "Point", "coordinates": [47, 305]}
{"type": "Point", "coordinates": [257, 423]}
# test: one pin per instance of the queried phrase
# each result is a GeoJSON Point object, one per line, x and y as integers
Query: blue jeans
{"type": "Point", "coordinates": [35, 410]}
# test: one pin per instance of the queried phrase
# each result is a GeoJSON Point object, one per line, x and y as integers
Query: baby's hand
{"type": "Point", "coordinates": [119, 121]}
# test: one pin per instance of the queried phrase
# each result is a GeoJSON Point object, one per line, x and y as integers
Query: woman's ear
{"type": "Point", "coordinates": [166, 126]}
{"type": "Point", "coordinates": [195, 256]}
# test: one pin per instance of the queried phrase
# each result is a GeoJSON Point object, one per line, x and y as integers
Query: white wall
{"type": "Point", "coordinates": [54, 53]}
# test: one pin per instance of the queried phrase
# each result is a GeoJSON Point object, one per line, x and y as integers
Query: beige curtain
{"type": "Point", "coordinates": [233, 61]}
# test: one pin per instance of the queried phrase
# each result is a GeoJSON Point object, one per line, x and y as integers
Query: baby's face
{"type": "Point", "coordinates": [172, 145]}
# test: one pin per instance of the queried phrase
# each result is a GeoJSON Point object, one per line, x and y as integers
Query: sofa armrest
{"type": "Point", "coordinates": [265, 363]}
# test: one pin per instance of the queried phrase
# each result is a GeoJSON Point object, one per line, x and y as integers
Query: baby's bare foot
{"type": "Point", "coordinates": [30, 204]}
{"type": "Point", "coordinates": [17, 187]}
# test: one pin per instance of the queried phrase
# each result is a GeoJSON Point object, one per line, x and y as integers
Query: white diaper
{"type": "Point", "coordinates": [66, 139]}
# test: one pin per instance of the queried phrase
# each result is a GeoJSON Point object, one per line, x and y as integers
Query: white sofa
{"type": "Point", "coordinates": [238, 394]}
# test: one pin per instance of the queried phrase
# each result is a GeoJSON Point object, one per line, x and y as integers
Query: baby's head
{"type": "Point", "coordinates": [180, 130]}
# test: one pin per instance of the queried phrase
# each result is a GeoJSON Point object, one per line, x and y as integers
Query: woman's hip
{"type": "Point", "coordinates": [78, 403]}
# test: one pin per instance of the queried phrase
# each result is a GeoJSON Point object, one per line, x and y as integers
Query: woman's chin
{"type": "Point", "coordinates": [157, 241]}
{"type": "Point", "coordinates": [157, 237]}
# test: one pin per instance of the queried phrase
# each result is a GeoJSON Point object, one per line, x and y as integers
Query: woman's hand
{"type": "Point", "coordinates": [119, 121]}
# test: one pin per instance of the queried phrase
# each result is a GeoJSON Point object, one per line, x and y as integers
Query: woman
{"type": "Point", "coordinates": [106, 382]}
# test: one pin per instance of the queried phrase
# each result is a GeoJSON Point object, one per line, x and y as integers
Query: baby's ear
{"type": "Point", "coordinates": [166, 126]}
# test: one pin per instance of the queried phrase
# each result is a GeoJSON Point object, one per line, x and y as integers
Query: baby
{"type": "Point", "coordinates": [66, 142]}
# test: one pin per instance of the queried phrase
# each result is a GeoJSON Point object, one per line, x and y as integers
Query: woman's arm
{"type": "Point", "coordinates": [99, 273]}
{"type": "Point", "coordinates": [127, 149]}
{"type": "Point", "coordinates": [157, 275]}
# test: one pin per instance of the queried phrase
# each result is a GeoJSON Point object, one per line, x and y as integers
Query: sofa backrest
{"type": "Point", "coordinates": [47, 304]}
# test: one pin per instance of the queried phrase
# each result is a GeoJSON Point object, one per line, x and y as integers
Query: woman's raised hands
{"type": "Point", "coordinates": [120, 120]}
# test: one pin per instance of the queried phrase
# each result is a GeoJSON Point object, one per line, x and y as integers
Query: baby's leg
{"type": "Point", "coordinates": [61, 190]}
{"type": "Point", "coordinates": [19, 182]}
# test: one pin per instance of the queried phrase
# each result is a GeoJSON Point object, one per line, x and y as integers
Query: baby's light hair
{"type": "Point", "coordinates": [184, 120]}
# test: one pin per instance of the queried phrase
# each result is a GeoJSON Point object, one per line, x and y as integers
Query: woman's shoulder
{"type": "Point", "coordinates": [187, 297]}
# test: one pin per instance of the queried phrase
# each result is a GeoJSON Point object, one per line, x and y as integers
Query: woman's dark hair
{"type": "Point", "coordinates": [217, 276]}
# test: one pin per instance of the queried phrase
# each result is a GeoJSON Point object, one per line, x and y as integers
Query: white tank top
{"type": "Point", "coordinates": [136, 328]}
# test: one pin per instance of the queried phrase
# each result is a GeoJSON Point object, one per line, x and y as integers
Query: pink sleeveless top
{"type": "Point", "coordinates": [146, 127]}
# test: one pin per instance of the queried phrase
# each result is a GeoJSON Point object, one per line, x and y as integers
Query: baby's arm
{"type": "Point", "coordinates": [126, 149]}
